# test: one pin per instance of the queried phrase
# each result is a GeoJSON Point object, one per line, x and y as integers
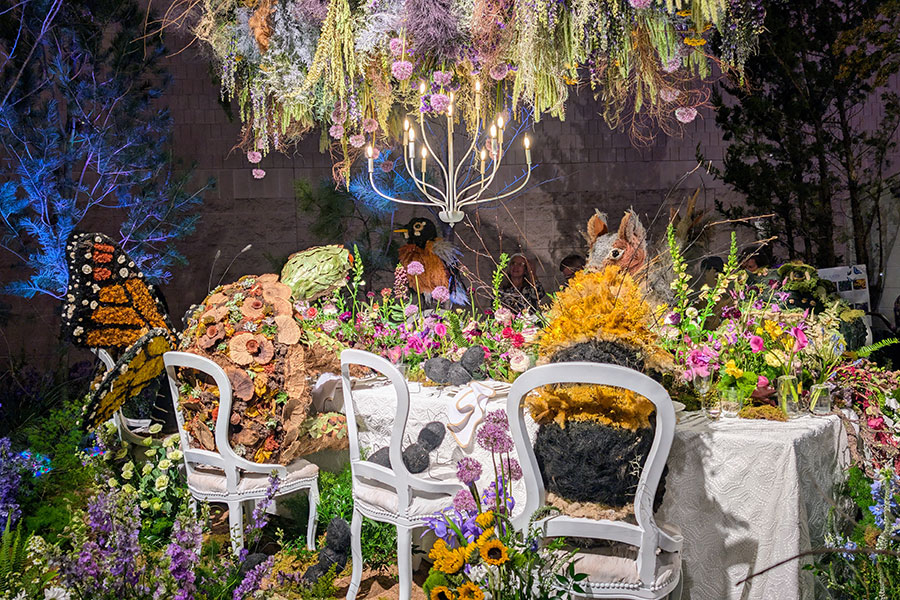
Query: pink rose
{"type": "Point", "coordinates": [757, 344]}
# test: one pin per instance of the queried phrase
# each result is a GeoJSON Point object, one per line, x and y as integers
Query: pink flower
{"type": "Point", "coordinates": [394, 354]}
{"type": "Point", "coordinates": [440, 102]}
{"type": "Point", "coordinates": [258, 173]}
{"type": "Point", "coordinates": [800, 337]}
{"type": "Point", "coordinates": [640, 4]}
{"type": "Point", "coordinates": [410, 310]}
{"type": "Point", "coordinates": [699, 362]}
{"type": "Point", "coordinates": [519, 361]}
{"type": "Point", "coordinates": [669, 94]}
{"type": "Point", "coordinates": [330, 325]}
{"type": "Point", "coordinates": [386, 292]}
{"type": "Point", "coordinates": [440, 293]}
{"type": "Point", "coordinates": [387, 166]}
{"type": "Point", "coordinates": [503, 315]}
{"type": "Point", "coordinates": [672, 65]}
{"type": "Point", "coordinates": [336, 131]}
{"type": "Point", "coordinates": [499, 72]}
{"type": "Point", "coordinates": [757, 344]}
{"type": "Point", "coordinates": [396, 46]}
{"type": "Point", "coordinates": [254, 156]}
{"type": "Point", "coordinates": [762, 382]}
{"type": "Point", "coordinates": [402, 70]}
{"type": "Point", "coordinates": [311, 312]}
{"type": "Point", "coordinates": [357, 140]}
{"type": "Point", "coordinates": [440, 330]}
{"type": "Point", "coordinates": [685, 114]}
{"type": "Point", "coordinates": [370, 125]}
{"type": "Point", "coordinates": [415, 268]}
{"type": "Point", "coordinates": [442, 78]}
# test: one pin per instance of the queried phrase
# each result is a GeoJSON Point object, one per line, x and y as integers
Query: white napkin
{"type": "Point", "coordinates": [465, 411]}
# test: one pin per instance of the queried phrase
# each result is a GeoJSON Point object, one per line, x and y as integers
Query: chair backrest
{"type": "Point", "coordinates": [224, 457]}
{"type": "Point", "coordinates": [398, 476]}
{"type": "Point", "coordinates": [646, 534]}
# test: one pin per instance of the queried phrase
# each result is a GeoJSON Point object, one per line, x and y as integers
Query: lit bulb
{"type": "Point", "coordinates": [527, 142]}
{"type": "Point", "coordinates": [424, 153]}
{"type": "Point", "coordinates": [500, 122]}
{"type": "Point", "coordinates": [412, 135]}
{"type": "Point", "coordinates": [451, 96]}
{"type": "Point", "coordinates": [405, 124]}
{"type": "Point", "coordinates": [450, 110]}
{"type": "Point", "coordinates": [369, 152]}
{"type": "Point", "coordinates": [493, 131]}
{"type": "Point", "coordinates": [422, 88]}
{"type": "Point", "coordinates": [483, 154]}
{"type": "Point", "coordinates": [477, 85]}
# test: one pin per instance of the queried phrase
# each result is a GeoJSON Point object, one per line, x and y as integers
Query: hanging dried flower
{"type": "Point", "coordinates": [402, 70]}
{"type": "Point", "coordinates": [387, 166]}
{"type": "Point", "coordinates": [640, 4]}
{"type": "Point", "coordinates": [499, 71]}
{"type": "Point", "coordinates": [370, 126]}
{"type": "Point", "coordinates": [440, 102]}
{"type": "Point", "coordinates": [685, 114]}
{"type": "Point", "coordinates": [258, 173]}
{"type": "Point", "coordinates": [254, 157]}
{"type": "Point", "coordinates": [442, 78]}
{"type": "Point", "coordinates": [669, 94]}
{"type": "Point", "coordinates": [357, 140]}
{"type": "Point", "coordinates": [336, 131]}
{"type": "Point", "coordinates": [396, 46]}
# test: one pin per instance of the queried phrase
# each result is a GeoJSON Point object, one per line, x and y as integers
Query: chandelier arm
{"type": "Point", "coordinates": [430, 151]}
{"type": "Point", "coordinates": [422, 184]}
{"type": "Point", "coordinates": [484, 183]}
{"type": "Point", "coordinates": [391, 198]}
{"type": "Point", "coordinates": [477, 200]}
{"type": "Point", "coordinates": [465, 156]}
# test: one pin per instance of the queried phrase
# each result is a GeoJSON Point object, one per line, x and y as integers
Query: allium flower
{"type": "Point", "coordinates": [499, 71]}
{"type": "Point", "coordinates": [336, 131]}
{"type": "Point", "coordinates": [370, 126]}
{"type": "Point", "coordinates": [468, 470]}
{"type": "Point", "coordinates": [494, 438]}
{"type": "Point", "coordinates": [415, 268]}
{"type": "Point", "coordinates": [258, 173]}
{"type": "Point", "coordinates": [513, 468]}
{"type": "Point", "coordinates": [330, 325]}
{"type": "Point", "coordinates": [396, 46]}
{"type": "Point", "coordinates": [497, 417]}
{"type": "Point", "coordinates": [640, 4]}
{"type": "Point", "coordinates": [440, 102]}
{"type": "Point", "coordinates": [442, 78]}
{"type": "Point", "coordinates": [254, 156]}
{"type": "Point", "coordinates": [387, 166]}
{"type": "Point", "coordinates": [685, 114]}
{"type": "Point", "coordinates": [410, 310]}
{"type": "Point", "coordinates": [672, 65]}
{"type": "Point", "coordinates": [669, 94]}
{"type": "Point", "coordinates": [463, 501]}
{"type": "Point", "coordinates": [357, 140]}
{"type": "Point", "coordinates": [440, 293]}
{"type": "Point", "coordinates": [402, 70]}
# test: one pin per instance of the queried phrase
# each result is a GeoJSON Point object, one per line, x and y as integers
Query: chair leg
{"type": "Point", "coordinates": [676, 593]}
{"type": "Point", "coordinates": [236, 525]}
{"type": "Point", "coordinates": [404, 561]}
{"type": "Point", "coordinates": [356, 549]}
{"type": "Point", "coordinates": [313, 516]}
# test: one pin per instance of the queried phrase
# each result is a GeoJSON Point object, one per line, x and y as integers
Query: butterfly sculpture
{"type": "Point", "coordinates": [109, 305]}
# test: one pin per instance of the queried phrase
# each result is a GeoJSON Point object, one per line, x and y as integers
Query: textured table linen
{"type": "Point", "coordinates": [747, 494]}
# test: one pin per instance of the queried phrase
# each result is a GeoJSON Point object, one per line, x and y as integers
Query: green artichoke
{"type": "Point", "coordinates": [316, 271]}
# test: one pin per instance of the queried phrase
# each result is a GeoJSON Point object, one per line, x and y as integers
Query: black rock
{"type": "Point", "coordinates": [600, 352]}
{"type": "Point", "coordinates": [458, 375]}
{"type": "Point", "coordinates": [381, 457]}
{"type": "Point", "coordinates": [437, 369]}
{"type": "Point", "coordinates": [415, 457]}
{"type": "Point", "coordinates": [250, 562]}
{"type": "Point", "coordinates": [472, 359]}
{"type": "Point", "coordinates": [432, 435]}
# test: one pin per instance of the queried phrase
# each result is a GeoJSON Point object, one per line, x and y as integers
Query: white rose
{"type": "Point", "coordinates": [519, 361]}
{"type": "Point", "coordinates": [504, 315]}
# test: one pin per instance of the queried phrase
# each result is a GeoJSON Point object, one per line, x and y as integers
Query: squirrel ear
{"type": "Point", "coordinates": [596, 227]}
{"type": "Point", "coordinates": [631, 229]}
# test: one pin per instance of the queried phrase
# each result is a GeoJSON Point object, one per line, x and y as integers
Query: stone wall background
{"type": "Point", "coordinates": [586, 167]}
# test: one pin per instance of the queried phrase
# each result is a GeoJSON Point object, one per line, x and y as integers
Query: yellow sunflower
{"type": "Point", "coordinates": [447, 560]}
{"type": "Point", "coordinates": [485, 519]}
{"type": "Point", "coordinates": [494, 553]}
{"type": "Point", "coordinates": [442, 593]}
{"type": "Point", "coordinates": [470, 591]}
{"type": "Point", "coordinates": [484, 537]}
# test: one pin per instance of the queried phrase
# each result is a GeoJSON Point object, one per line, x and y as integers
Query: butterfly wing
{"type": "Point", "coordinates": [136, 369]}
{"type": "Point", "coordinates": [108, 303]}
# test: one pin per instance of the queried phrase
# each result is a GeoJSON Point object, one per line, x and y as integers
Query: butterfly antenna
{"type": "Point", "coordinates": [225, 272]}
{"type": "Point", "coordinates": [212, 270]}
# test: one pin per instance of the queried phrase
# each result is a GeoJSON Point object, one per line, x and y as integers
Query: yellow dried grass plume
{"type": "Point", "coordinates": [599, 403]}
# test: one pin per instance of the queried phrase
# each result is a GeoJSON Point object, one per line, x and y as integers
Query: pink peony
{"type": "Point", "coordinates": [336, 131]}
{"type": "Point", "coordinates": [396, 46]}
{"type": "Point", "coordinates": [258, 173]}
{"type": "Point", "coordinates": [499, 72]}
{"type": "Point", "coordinates": [254, 156]}
{"type": "Point", "coordinates": [757, 344]}
{"type": "Point", "coordinates": [357, 140]}
{"type": "Point", "coordinates": [440, 102]}
{"type": "Point", "coordinates": [685, 114]}
{"type": "Point", "coordinates": [402, 70]}
{"type": "Point", "coordinates": [640, 4]}
{"type": "Point", "coordinates": [415, 268]}
{"type": "Point", "coordinates": [370, 125]}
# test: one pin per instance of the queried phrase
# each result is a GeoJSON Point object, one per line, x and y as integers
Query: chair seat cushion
{"type": "Point", "coordinates": [384, 498]}
{"type": "Point", "coordinates": [211, 481]}
{"type": "Point", "coordinates": [616, 566]}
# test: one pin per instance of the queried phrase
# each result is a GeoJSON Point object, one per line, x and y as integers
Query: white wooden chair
{"type": "Point", "coordinates": [655, 570]}
{"type": "Point", "coordinates": [388, 495]}
{"type": "Point", "coordinates": [133, 431]}
{"type": "Point", "coordinates": [223, 476]}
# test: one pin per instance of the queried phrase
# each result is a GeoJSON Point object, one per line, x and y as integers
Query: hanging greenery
{"type": "Point", "coordinates": [355, 68]}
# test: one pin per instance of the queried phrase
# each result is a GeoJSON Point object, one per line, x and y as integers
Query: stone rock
{"type": "Point", "coordinates": [472, 359]}
{"type": "Point", "coordinates": [381, 457]}
{"type": "Point", "coordinates": [459, 375]}
{"type": "Point", "coordinates": [415, 457]}
{"type": "Point", "coordinates": [438, 369]}
{"type": "Point", "coordinates": [250, 562]}
{"type": "Point", "coordinates": [432, 435]}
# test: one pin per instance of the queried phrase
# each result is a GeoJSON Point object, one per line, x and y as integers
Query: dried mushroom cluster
{"type": "Point", "coordinates": [248, 329]}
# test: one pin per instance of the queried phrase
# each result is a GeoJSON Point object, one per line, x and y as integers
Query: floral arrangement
{"type": "Point", "coordinates": [478, 551]}
{"type": "Point", "coordinates": [351, 68]}
{"type": "Point", "coordinates": [396, 324]}
{"type": "Point", "coordinates": [13, 465]}
{"type": "Point", "coordinates": [248, 328]}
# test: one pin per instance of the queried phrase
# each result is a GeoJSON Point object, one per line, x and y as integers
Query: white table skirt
{"type": "Point", "coordinates": [744, 493]}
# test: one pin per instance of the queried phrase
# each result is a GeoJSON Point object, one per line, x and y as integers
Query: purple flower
{"type": "Point", "coordinates": [512, 467]}
{"type": "Point", "coordinates": [252, 579]}
{"type": "Point", "coordinates": [672, 65]}
{"type": "Point", "coordinates": [731, 312]}
{"type": "Point", "coordinates": [440, 293]}
{"type": "Point", "coordinates": [357, 140]}
{"type": "Point", "coordinates": [640, 4]}
{"type": "Point", "coordinates": [468, 470]}
{"type": "Point", "coordinates": [685, 114]}
{"type": "Point", "coordinates": [415, 268]}
{"type": "Point", "coordinates": [258, 173]}
{"type": "Point", "coordinates": [499, 71]}
{"type": "Point", "coordinates": [184, 554]}
{"type": "Point", "coordinates": [463, 501]}
{"type": "Point", "coordinates": [345, 316]}
{"type": "Point", "coordinates": [402, 70]}
{"type": "Point", "coordinates": [370, 125]}
{"type": "Point", "coordinates": [396, 46]}
{"type": "Point", "coordinates": [11, 467]}
{"type": "Point", "coordinates": [440, 102]}
{"type": "Point", "coordinates": [673, 319]}
{"type": "Point", "coordinates": [498, 418]}
{"type": "Point", "coordinates": [387, 166]}
{"type": "Point", "coordinates": [336, 131]}
{"type": "Point", "coordinates": [254, 156]}
{"type": "Point", "coordinates": [494, 438]}
{"type": "Point", "coordinates": [410, 310]}
{"type": "Point", "coordinates": [442, 78]}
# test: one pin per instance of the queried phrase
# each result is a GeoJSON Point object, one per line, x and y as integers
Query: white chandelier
{"type": "Point", "coordinates": [457, 192]}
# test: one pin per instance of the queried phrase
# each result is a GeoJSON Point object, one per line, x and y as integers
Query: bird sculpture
{"type": "Point", "coordinates": [439, 258]}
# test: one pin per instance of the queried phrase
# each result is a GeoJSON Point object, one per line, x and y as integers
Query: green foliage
{"type": "Point", "coordinates": [867, 351]}
{"type": "Point", "coordinates": [323, 588]}
{"type": "Point", "coordinates": [497, 279]}
{"type": "Point", "coordinates": [12, 554]}
{"type": "Point", "coordinates": [379, 540]}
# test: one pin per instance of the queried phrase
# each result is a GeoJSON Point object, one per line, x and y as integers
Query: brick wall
{"type": "Point", "coordinates": [584, 164]}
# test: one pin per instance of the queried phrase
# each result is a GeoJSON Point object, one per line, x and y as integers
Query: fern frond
{"type": "Point", "coordinates": [867, 351]}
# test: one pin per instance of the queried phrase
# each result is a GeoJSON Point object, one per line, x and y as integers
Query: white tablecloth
{"type": "Point", "coordinates": [745, 494]}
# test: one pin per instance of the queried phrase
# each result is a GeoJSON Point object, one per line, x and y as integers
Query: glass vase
{"type": "Point", "coordinates": [789, 395]}
{"type": "Point", "coordinates": [820, 399]}
{"type": "Point", "coordinates": [731, 403]}
{"type": "Point", "coordinates": [711, 405]}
